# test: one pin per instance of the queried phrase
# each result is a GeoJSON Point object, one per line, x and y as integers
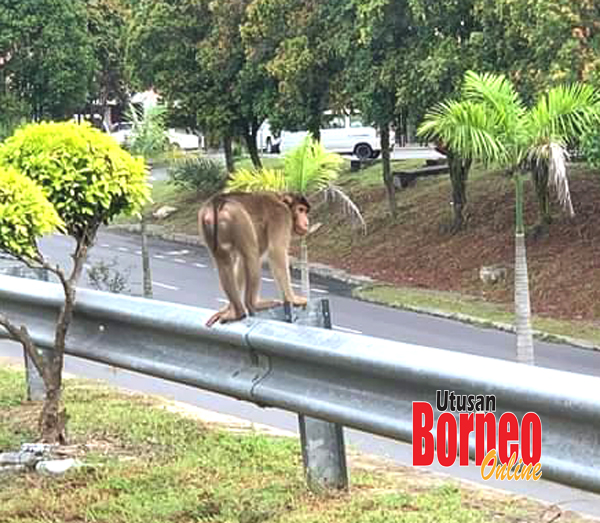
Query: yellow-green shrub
{"type": "Point", "coordinates": [84, 173]}
{"type": "Point", "coordinates": [25, 214]}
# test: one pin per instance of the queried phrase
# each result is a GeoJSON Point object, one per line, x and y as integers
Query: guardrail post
{"type": "Point", "coordinates": [36, 390]}
{"type": "Point", "coordinates": [323, 449]}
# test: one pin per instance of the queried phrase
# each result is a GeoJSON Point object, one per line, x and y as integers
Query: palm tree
{"type": "Point", "coordinates": [309, 170]}
{"type": "Point", "coordinates": [523, 140]}
{"type": "Point", "coordinates": [461, 131]}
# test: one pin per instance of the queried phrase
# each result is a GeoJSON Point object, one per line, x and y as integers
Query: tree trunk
{"type": "Point", "coordinates": [250, 139]}
{"type": "Point", "coordinates": [459, 171]}
{"type": "Point", "coordinates": [540, 182]}
{"type": "Point", "coordinates": [525, 353]}
{"type": "Point", "coordinates": [146, 272]}
{"type": "Point", "coordinates": [388, 179]}
{"type": "Point", "coordinates": [229, 162]}
{"type": "Point", "coordinates": [53, 419]}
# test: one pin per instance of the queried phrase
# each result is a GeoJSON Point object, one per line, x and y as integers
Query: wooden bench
{"type": "Point", "coordinates": [404, 178]}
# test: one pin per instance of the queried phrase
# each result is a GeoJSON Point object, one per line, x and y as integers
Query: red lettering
{"type": "Point", "coordinates": [508, 430]}
{"type": "Point", "coordinates": [422, 438]}
{"type": "Point", "coordinates": [446, 420]}
{"type": "Point", "coordinates": [466, 427]}
{"type": "Point", "coordinates": [483, 421]}
{"type": "Point", "coordinates": [531, 438]}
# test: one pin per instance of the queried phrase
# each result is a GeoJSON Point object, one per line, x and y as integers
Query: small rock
{"type": "Point", "coordinates": [27, 459]}
{"type": "Point", "coordinates": [55, 467]}
{"type": "Point", "coordinates": [492, 274]}
{"type": "Point", "coordinates": [163, 212]}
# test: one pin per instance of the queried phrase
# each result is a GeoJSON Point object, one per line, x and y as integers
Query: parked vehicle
{"type": "Point", "coordinates": [266, 140]}
{"type": "Point", "coordinates": [177, 137]}
{"type": "Point", "coordinates": [342, 133]}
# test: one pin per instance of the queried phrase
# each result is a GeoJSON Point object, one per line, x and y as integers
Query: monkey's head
{"type": "Point", "coordinates": [299, 207]}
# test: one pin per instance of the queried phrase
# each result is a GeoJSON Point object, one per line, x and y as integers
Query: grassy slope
{"type": "Point", "coordinates": [152, 464]}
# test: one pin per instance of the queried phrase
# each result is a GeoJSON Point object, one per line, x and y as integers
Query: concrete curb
{"type": "Point", "coordinates": [345, 284]}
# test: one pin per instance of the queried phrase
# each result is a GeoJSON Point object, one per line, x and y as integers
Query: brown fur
{"type": "Point", "coordinates": [239, 229]}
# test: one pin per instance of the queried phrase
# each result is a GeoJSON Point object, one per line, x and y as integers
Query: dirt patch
{"type": "Point", "coordinates": [417, 251]}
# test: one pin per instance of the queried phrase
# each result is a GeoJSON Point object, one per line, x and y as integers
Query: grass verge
{"type": "Point", "coordinates": [148, 463]}
{"type": "Point", "coordinates": [477, 311]}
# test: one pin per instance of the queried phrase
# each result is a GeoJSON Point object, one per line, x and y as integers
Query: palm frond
{"type": "Point", "coordinates": [334, 194]}
{"type": "Point", "coordinates": [553, 157]}
{"type": "Point", "coordinates": [565, 112]}
{"type": "Point", "coordinates": [247, 180]}
{"type": "Point", "coordinates": [310, 167]}
{"type": "Point", "coordinates": [466, 128]}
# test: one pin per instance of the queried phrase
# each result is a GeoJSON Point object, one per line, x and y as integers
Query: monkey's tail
{"type": "Point", "coordinates": [217, 205]}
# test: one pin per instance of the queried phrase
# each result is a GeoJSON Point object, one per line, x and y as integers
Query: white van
{"type": "Point", "coordinates": [266, 140]}
{"type": "Point", "coordinates": [343, 134]}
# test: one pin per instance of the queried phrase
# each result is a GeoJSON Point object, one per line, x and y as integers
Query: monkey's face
{"type": "Point", "coordinates": [300, 214]}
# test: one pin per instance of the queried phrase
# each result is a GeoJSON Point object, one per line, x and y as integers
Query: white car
{"type": "Point", "coordinates": [177, 137]}
{"type": "Point", "coordinates": [266, 140]}
{"type": "Point", "coordinates": [341, 133]}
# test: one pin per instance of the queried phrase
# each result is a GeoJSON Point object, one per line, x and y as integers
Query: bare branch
{"type": "Point", "coordinates": [21, 335]}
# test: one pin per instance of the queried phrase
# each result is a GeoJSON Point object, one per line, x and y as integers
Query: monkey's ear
{"type": "Point", "coordinates": [288, 199]}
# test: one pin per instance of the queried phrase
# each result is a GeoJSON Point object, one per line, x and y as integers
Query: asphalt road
{"type": "Point", "coordinates": [185, 275]}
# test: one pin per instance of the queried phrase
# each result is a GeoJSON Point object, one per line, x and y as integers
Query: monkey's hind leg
{"type": "Point", "coordinates": [227, 274]}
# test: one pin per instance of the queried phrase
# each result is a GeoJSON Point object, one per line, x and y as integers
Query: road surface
{"type": "Point", "coordinates": [185, 274]}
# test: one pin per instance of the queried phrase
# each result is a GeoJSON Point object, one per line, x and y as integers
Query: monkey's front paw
{"type": "Point", "coordinates": [224, 317]}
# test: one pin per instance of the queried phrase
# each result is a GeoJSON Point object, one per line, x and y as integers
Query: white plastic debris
{"type": "Point", "coordinates": [56, 467]}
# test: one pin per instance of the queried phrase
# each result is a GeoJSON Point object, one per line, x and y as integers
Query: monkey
{"type": "Point", "coordinates": [239, 229]}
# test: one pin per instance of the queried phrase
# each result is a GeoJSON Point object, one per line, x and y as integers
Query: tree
{"type": "Point", "coordinates": [461, 130]}
{"type": "Point", "coordinates": [88, 180]}
{"type": "Point", "coordinates": [107, 27]}
{"type": "Point", "coordinates": [539, 43]}
{"type": "Point", "coordinates": [46, 57]}
{"type": "Point", "coordinates": [524, 140]}
{"type": "Point", "coordinates": [371, 74]}
{"type": "Point", "coordinates": [300, 46]}
{"type": "Point", "coordinates": [204, 71]}
{"type": "Point", "coordinates": [309, 170]}
{"type": "Point", "coordinates": [148, 139]}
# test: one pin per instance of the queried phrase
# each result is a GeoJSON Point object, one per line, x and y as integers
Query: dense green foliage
{"type": "Point", "coordinates": [84, 173]}
{"type": "Point", "coordinates": [46, 56]}
{"type": "Point", "coordinates": [25, 214]}
{"type": "Point", "coordinates": [197, 173]}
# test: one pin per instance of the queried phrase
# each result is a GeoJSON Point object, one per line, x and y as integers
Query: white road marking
{"type": "Point", "coordinates": [159, 256]}
{"type": "Point", "coordinates": [268, 280]}
{"type": "Point", "coordinates": [123, 249]}
{"type": "Point", "coordinates": [295, 285]}
{"type": "Point", "coordinates": [105, 245]}
{"type": "Point", "coordinates": [346, 329]}
{"type": "Point", "coordinates": [200, 265]}
{"type": "Point", "coordinates": [177, 253]}
{"type": "Point", "coordinates": [319, 291]}
{"type": "Point", "coordinates": [165, 286]}
{"type": "Point", "coordinates": [139, 253]}
{"type": "Point", "coordinates": [179, 260]}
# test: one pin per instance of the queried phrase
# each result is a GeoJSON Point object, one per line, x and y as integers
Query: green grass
{"type": "Point", "coordinates": [474, 309]}
{"type": "Point", "coordinates": [146, 463]}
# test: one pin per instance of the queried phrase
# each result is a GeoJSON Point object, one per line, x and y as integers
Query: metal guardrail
{"type": "Point", "coordinates": [354, 380]}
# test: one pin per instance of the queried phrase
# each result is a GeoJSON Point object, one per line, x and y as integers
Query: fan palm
{"type": "Point", "coordinates": [310, 170]}
{"type": "Point", "coordinates": [506, 133]}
